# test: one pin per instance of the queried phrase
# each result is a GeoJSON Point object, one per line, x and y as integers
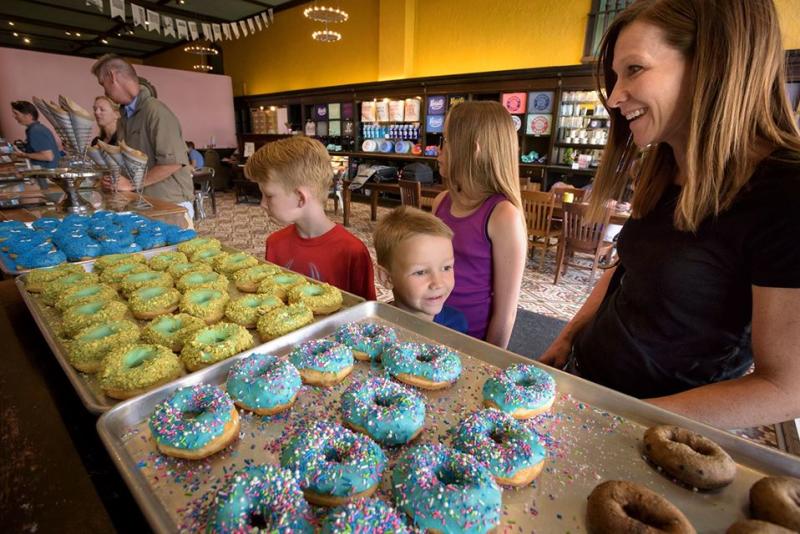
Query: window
{"type": "Point", "coordinates": [603, 12]}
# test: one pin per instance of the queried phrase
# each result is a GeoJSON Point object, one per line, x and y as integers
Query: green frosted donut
{"type": "Point", "coordinates": [161, 262]}
{"type": "Point", "coordinates": [87, 350]}
{"type": "Point", "coordinates": [51, 290]}
{"type": "Point", "coordinates": [36, 279]}
{"type": "Point", "coordinates": [171, 330]}
{"type": "Point", "coordinates": [195, 280]}
{"type": "Point", "coordinates": [208, 255]}
{"type": "Point", "coordinates": [247, 280]}
{"type": "Point", "coordinates": [113, 274]}
{"type": "Point", "coordinates": [321, 298]}
{"type": "Point", "coordinates": [84, 293]}
{"type": "Point", "coordinates": [90, 313]}
{"type": "Point", "coordinates": [180, 269]}
{"type": "Point", "coordinates": [130, 370]}
{"type": "Point", "coordinates": [213, 344]}
{"type": "Point", "coordinates": [135, 281]}
{"type": "Point", "coordinates": [279, 284]}
{"type": "Point", "coordinates": [198, 243]}
{"type": "Point", "coordinates": [246, 310]}
{"type": "Point", "coordinates": [206, 303]}
{"type": "Point", "coordinates": [232, 263]}
{"type": "Point", "coordinates": [149, 302]}
{"type": "Point", "coordinates": [104, 262]}
{"type": "Point", "coordinates": [281, 321]}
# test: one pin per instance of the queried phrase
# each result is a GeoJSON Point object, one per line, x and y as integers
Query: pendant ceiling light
{"type": "Point", "coordinates": [326, 15]}
{"type": "Point", "coordinates": [200, 49]}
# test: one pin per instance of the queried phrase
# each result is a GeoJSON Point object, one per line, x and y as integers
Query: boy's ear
{"type": "Point", "coordinates": [302, 196]}
{"type": "Point", "coordinates": [384, 277]}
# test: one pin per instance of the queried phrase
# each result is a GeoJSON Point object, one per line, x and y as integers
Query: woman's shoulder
{"type": "Point", "coordinates": [778, 173]}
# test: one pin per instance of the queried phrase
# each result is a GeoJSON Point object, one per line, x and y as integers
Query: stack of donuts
{"type": "Point", "coordinates": [137, 323]}
{"type": "Point", "coordinates": [50, 241]}
{"type": "Point", "coordinates": [337, 464]}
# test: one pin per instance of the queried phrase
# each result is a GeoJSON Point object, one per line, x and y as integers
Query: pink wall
{"type": "Point", "coordinates": [202, 102]}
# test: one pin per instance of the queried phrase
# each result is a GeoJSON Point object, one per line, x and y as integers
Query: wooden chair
{"type": "Point", "coordinates": [538, 208]}
{"type": "Point", "coordinates": [410, 193]}
{"type": "Point", "coordinates": [584, 237]}
{"type": "Point", "coordinates": [579, 195]}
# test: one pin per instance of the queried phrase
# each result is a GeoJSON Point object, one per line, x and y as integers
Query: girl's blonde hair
{"type": "Point", "coordinates": [738, 100]}
{"type": "Point", "coordinates": [482, 150]}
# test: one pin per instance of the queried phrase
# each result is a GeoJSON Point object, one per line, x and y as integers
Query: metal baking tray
{"type": "Point", "coordinates": [592, 434]}
{"type": "Point", "coordinates": [86, 385]}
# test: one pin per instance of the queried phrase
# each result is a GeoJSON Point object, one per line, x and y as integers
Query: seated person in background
{"type": "Point", "coordinates": [415, 261]}
{"type": "Point", "coordinates": [40, 143]}
{"type": "Point", "coordinates": [195, 157]}
{"type": "Point", "coordinates": [294, 176]}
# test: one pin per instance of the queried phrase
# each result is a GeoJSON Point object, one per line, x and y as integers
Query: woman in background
{"type": "Point", "coordinates": [106, 113]}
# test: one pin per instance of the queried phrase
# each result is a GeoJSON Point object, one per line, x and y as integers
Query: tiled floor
{"type": "Point", "coordinates": [245, 226]}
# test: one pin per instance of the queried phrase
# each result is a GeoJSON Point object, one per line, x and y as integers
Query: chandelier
{"type": "Point", "coordinates": [326, 36]}
{"type": "Point", "coordinates": [204, 68]}
{"type": "Point", "coordinates": [325, 14]}
{"type": "Point", "coordinates": [200, 50]}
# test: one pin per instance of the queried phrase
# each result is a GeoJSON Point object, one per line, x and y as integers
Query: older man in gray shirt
{"type": "Point", "coordinates": [148, 125]}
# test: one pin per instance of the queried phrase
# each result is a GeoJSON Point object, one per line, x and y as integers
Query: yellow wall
{"type": "Point", "coordinates": [175, 58]}
{"type": "Point", "coordinates": [284, 57]}
{"type": "Point", "coordinates": [391, 39]}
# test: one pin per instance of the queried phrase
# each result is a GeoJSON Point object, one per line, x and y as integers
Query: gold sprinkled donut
{"type": "Point", "coordinates": [281, 321]}
{"type": "Point", "coordinates": [198, 243]}
{"type": "Point", "coordinates": [206, 303]}
{"type": "Point", "coordinates": [213, 344]}
{"type": "Point", "coordinates": [247, 309]}
{"type": "Point", "coordinates": [171, 331]}
{"type": "Point", "coordinates": [248, 280]}
{"type": "Point", "coordinates": [180, 269]}
{"type": "Point", "coordinates": [103, 262]}
{"type": "Point", "coordinates": [322, 299]}
{"type": "Point", "coordinates": [81, 294]}
{"type": "Point", "coordinates": [208, 255]}
{"type": "Point", "coordinates": [135, 281]}
{"type": "Point", "coordinates": [113, 274]}
{"type": "Point", "coordinates": [197, 280]}
{"type": "Point", "coordinates": [87, 350]}
{"type": "Point", "coordinates": [161, 262]}
{"type": "Point", "coordinates": [231, 263]}
{"type": "Point", "coordinates": [279, 284]}
{"type": "Point", "coordinates": [150, 302]}
{"type": "Point", "coordinates": [130, 370]}
{"type": "Point", "coordinates": [80, 316]}
{"type": "Point", "coordinates": [35, 280]}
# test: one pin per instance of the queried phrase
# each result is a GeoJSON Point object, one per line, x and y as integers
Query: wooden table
{"type": "Point", "coordinates": [56, 474]}
{"type": "Point", "coordinates": [31, 207]}
{"type": "Point", "coordinates": [430, 191]}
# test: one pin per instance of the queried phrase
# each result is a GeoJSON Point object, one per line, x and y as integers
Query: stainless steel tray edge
{"type": "Point", "coordinates": [114, 422]}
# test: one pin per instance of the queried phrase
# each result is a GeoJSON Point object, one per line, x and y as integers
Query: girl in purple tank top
{"type": "Point", "coordinates": [482, 206]}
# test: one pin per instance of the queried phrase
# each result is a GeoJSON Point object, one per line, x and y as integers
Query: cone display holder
{"type": "Point", "coordinates": [136, 169]}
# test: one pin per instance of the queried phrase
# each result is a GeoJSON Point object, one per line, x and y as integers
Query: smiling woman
{"type": "Point", "coordinates": [708, 283]}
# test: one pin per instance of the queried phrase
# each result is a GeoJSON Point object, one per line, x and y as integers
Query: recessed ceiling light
{"type": "Point", "coordinates": [10, 23]}
{"type": "Point", "coordinates": [15, 34]}
{"type": "Point", "coordinates": [27, 41]}
{"type": "Point", "coordinates": [67, 33]}
{"type": "Point", "coordinates": [77, 34]}
{"type": "Point", "coordinates": [104, 41]}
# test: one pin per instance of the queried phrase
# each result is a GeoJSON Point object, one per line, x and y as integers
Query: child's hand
{"type": "Point", "coordinates": [557, 353]}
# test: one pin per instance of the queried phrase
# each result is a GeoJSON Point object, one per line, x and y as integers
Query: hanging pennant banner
{"type": "Point", "coordinates": [269, 12]}
{"type": "Point", "coordinates": [258, 23]}
{"type": "Point", "coordinates": [117, 8]}
{"type": "Point", "coordinates": [226, 31]}
{"type": "Point", "coordinates": [251, 25]}
{"type": "Point", "coordinates": [243, 26]}
{"type": "Point", "coordinates": [183, 32]}
{"type": "Point", "coordinates": [235, 30]}
{"type": "Point", "coordinates": [207, 31]}
{"type": "Point", "coordinates": [167, 24]}
{"type": "Point", "coordinates": [265, 18]}
{"type": "Point", "coordinates": [138, 15]}
{"type": "Point", "coordinates": [98, 4]}
{"type": "Point", "coordinates": [193, 30]}
{"type": "Point", "coordinates": [153, 21]}
{"type": "Point", "coordinates": [217, 32]}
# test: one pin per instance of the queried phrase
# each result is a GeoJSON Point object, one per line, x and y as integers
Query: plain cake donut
{"type": "Point", "coordinates": [620, 506]}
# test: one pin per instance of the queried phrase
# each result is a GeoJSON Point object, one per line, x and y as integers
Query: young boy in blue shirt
{"type": "Point", "coordinates": [415, 261]}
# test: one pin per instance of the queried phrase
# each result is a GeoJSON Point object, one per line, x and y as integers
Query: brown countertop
{"type": "Point", "coordinates": [56, 475]}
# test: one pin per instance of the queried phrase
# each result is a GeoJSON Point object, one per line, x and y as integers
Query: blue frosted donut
{"type": "Point", "coordinates": [194, 422]}
{"type": "Point", "coordinates": [263, 384]}
{"type": "Point", "coordinates": [262, 498]}
{"type": "Point", "coordinates": [115, 246]}
{"type": "Point", "coordinates": [73, 219]}
{"type": "Point", "coordinates": [46, 223]}
{"type": "Point", "coordinates": [335, 465]}
{"type": "Point", "coordinates": [38, 258]}
{"type": "Point", "coordinates": [509, 449]}
{"type": "Point", "coordinates": [81, 248]}
{"type": "Point", "coordinates": [23, 241]}
{"type": "Point", "coordinates": [179, 236]}
{"type": "Point", "coordinates": [521, 390]}
{"type": "Point", "coordinates": [322, 362]}
{"type": "Point", "coordinates": [371, 516]}
{"type": "Point", "coordinates": [368, 340]}
{"type": "Point", "coordinates": [422, 364]}
{"type": "Point", "coordinates": [130, 222]}
{"type": "Point", "coordinates": [442, 489]}
{"type": "Point", "coordinates": [150, 240]}
{"type": "Point", "coordinates": [384, 410]}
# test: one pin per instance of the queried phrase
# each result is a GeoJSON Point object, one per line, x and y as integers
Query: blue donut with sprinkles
{"type": "Point", "coordinates": [510, 449]}
{"type": "Point", "coordinates": [368, 340]}
{"type": "Point", "coordinates": [322, 362]}
{"type": "Point", "coordinates": [444, 490]}
{"type": "Point", "coordinates": [367, 516]}
{"type": "Point", "coordinates": [262, 498]}
{"type": "Point", "coordinates": [263, 384]}
{"type": "Point", "coordinates": [178, 235]}
{"type": "Point", "coordinates": [422, 365]}
{"type": "Point", "coordinates": [194, 422]}
{"type": "Point", "coordinates": [37, 258]}
{"type": "Point", "coordinates": [524, 391]}
{"type": "Point", "coordinates": [384, 410]}
{"type": "Point", "coordinates": [81, 248]}
{"type": "Point", "coordinates": [335, 465]}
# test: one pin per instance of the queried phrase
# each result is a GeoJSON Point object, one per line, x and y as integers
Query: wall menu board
{"type": "Point", "coordinates": [540, 102]}
{"type": "Point", "coordinates": [437, 105]}
{"type": "Point", "coordinates": [514, 102]}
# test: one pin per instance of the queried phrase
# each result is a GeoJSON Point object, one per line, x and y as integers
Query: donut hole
{"type": "Point", "coordinates": [99, 333]}
{"type": "Point", "coordinates": [312, 290]}
{"type": "Point", "coordinates": [384, 401]}
{"type": "Point", "coordinates": [168, 325]}
{"type": "Point", "coordinates": [498, 436]}
{"type": "Point", "coordinates": [257, 520]}
{"type": "Point", "coordinates": [643, 514]}
{"type": "Point", "coordinates": [333, 455]}
{"type": "Point", "coordinates": [190, 415]}
{"type": "Point", "coordinates": [449, 476]}
{"type": "Point", "coordinates": [424, 357]}
{"type": "Point", "coordinates": [525, 382]}
{"type": "Point", "coordinates": [91, 308]}
{"type": "Point", "coordinates": [212, 337]}
{"type": "Point", "coordinates": [138, 356]}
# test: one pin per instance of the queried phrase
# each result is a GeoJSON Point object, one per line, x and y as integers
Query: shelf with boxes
{"type": "Point", "coordinates": [581, 131]}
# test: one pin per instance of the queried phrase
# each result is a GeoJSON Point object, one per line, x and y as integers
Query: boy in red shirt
{"type": "Point", "coordinates": [294, 176]}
